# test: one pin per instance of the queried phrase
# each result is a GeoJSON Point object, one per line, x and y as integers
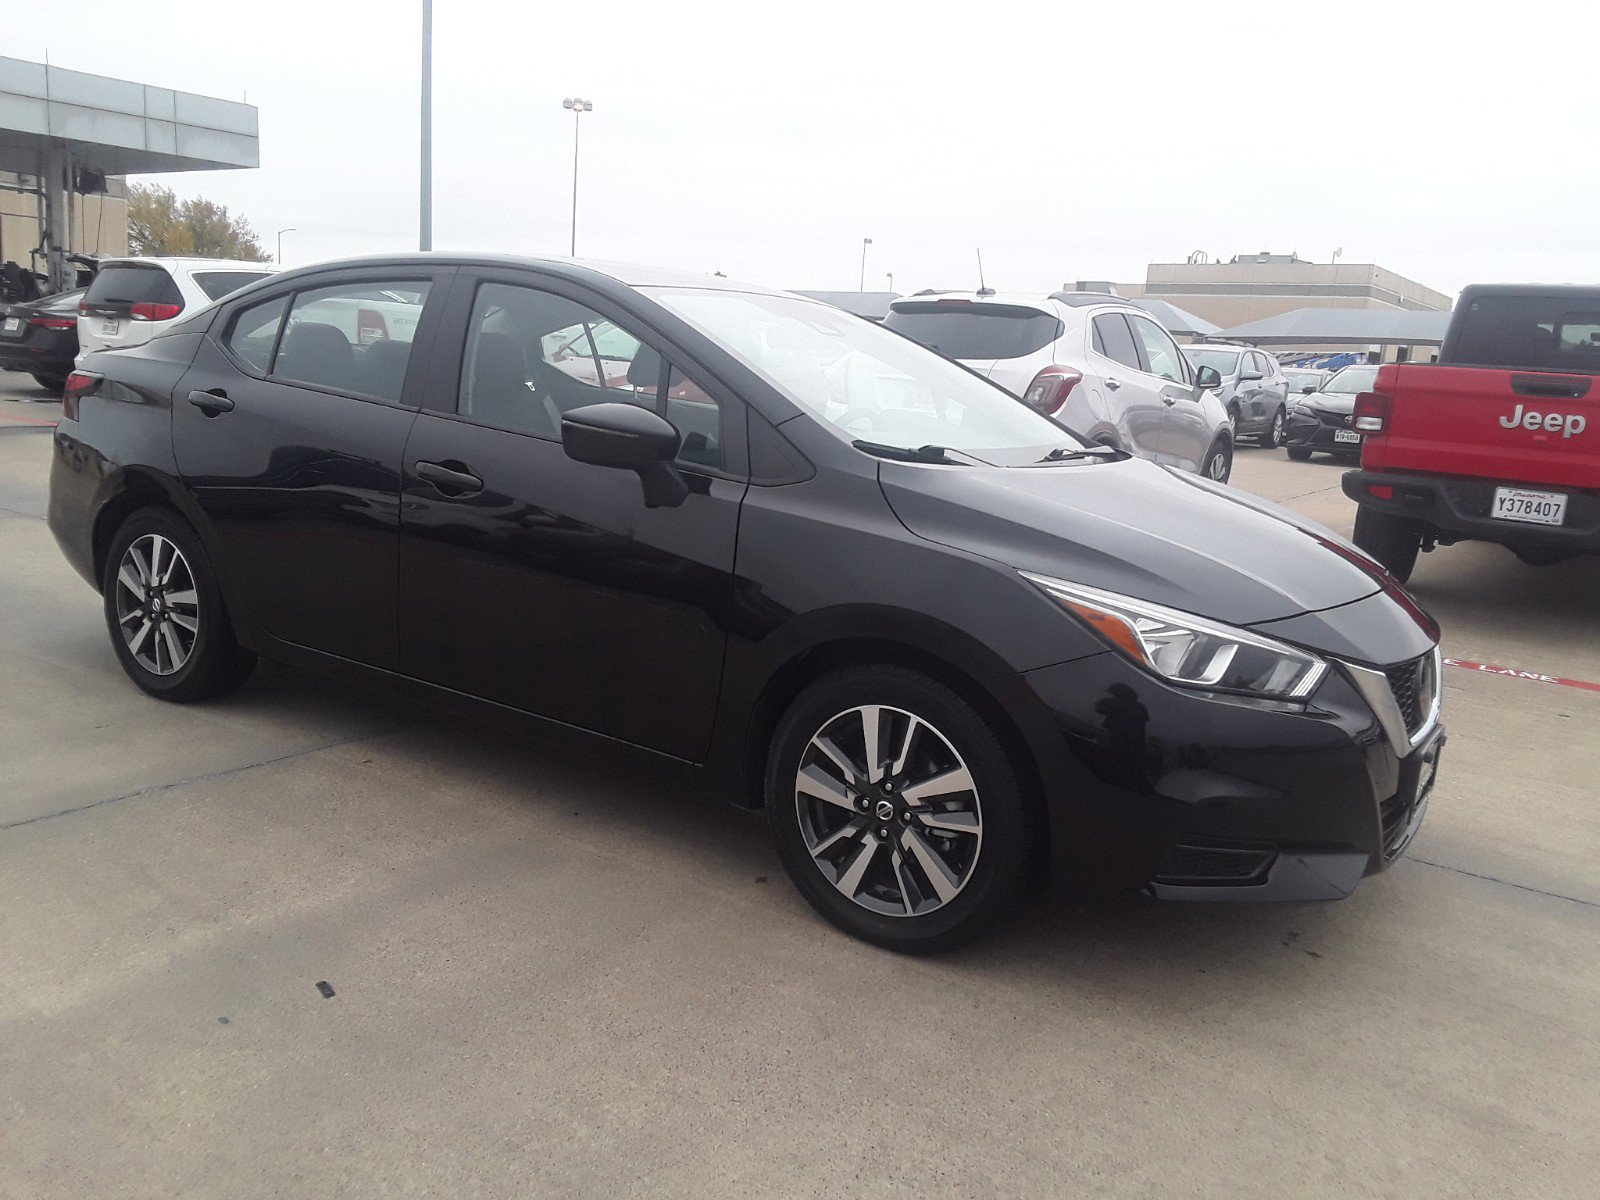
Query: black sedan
{"type": "Point", "coordinates": [40, 338]}
{"type": "Point", "coordinates": [945, 645]}
{"type": "Point", "coordinates": [1321, 420]}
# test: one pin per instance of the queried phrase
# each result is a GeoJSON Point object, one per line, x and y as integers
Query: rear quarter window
{"type": "Point", "coordinates": [975, 331]}
{"type": "Point", "coordinates": [217, 284]}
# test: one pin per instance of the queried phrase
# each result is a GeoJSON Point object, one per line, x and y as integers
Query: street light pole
{"type": "Point", "coordinates": [578, 107]}
{"type": "Point", "coordinates": [891, 280]}
{"type": "Point", "coordinates": [865, 242]}
{"type": "Point", "coordinates": [425, 222]}
{"type": "Point", "coordinates": [281, 232]}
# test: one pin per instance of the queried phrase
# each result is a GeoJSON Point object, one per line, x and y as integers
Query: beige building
{"type": "Point", "coordinates": [1249, 287]}
{"type": "Point", "coordinates": [98, 223]}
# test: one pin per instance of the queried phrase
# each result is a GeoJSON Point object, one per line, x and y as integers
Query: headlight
{"type": "Point", "coordinates": [1189, 650]}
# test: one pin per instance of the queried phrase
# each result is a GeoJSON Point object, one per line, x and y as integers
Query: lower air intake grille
{"type": "Point", "coordinates": [1198, 866]}
{"type": "Point", "coordinates": [1414, 687]}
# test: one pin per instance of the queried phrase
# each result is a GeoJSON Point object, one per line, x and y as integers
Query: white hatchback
{"type": "Point", "coordinates": [133, 299]}
{"type": "Point", "coordinates": [1098, 365]}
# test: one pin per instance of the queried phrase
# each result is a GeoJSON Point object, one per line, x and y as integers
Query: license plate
{"type": "Point", "coordinates": [1536, 508]}
{"type": "Point", "coordinates": [108, 327]}
{"type": "Point", "coordinates": [1346, 435]}
{"type": "Point", "coordinates": [13, 324]}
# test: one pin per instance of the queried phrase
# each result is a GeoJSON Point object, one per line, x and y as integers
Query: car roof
{"type": "Point", "coordinates": [187, 264]}
{"type": "Point", "coordinates": [1014, 299]}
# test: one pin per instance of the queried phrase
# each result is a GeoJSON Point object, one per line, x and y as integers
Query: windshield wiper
{"type": "Point", "coordinates": [1062, 454]}
{"type": "Point", "coordinates": [921, 454]}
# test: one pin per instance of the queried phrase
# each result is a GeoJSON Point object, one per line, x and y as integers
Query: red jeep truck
{"type": "Point", "coordinates": [1499, 441]}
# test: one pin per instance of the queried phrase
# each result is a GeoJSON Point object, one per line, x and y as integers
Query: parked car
{"type": "Point", "coordinates": [1497, 442]}
{"type": "Point", "coordinates": [1096, 364]}
{"type": "Point", "coordinates": [1253, 390]}
{"type": "Point", "coordinates": [132, 298]}
{"type": "Point", "coordinates": [1303, 381]}
{"type": "Point", "coordinates": [40, 338]}
{"type": "Point", "coordinates": [1323, 420]}
{"type": "Point", "coordinates": [944, 643]}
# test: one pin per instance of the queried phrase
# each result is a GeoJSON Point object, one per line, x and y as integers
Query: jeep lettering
{"type": "Point", "coordinates": [1569, 424]}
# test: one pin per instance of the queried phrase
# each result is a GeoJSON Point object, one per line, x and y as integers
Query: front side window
{"type": "Point", "coordinates": [863, 381]}
{"type": "Point", "coordinates": [352, 337]}
{"type": "Point", "coordinates": [254, 332]}
{"type": "Point", "coordinates": [1160, 351]}
{"type": "Point", "coordinates": [533, 356]}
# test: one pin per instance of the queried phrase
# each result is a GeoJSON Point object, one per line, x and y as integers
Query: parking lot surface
{"type": "Point", "coordinates": [558, 974]}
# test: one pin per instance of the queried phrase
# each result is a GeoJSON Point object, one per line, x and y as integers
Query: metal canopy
{"type": "Point", "coordinates": [1344, 327]}
{"type": "Point", "coordinates": [66, 127]}
{"type": "Point", "coordinates": [1176, 320]}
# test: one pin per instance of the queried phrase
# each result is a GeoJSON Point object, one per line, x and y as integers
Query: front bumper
{"type": "Point", "coordinates": [1311, 432]}
{"type": "Point", "coordinates": [1459, 509]}
{"type": "Point", "coordinates": [1195, 797]}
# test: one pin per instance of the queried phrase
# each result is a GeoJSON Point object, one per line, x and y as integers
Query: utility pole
{"type": "Point", "coordinates": [425, 235]}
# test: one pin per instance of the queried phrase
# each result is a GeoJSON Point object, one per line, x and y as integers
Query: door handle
{"type": "Point", "coordinates": [448, 480]}
{"type": "Point", "coordinates": [1113, 382]}
{"type": "Point", "coordinates": [211, 403]}
{"type": "Point", "coordinates": [1168, 401]}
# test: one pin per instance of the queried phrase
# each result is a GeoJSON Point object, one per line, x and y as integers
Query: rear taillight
{"type": "Point", "coordinates": [1050, 389]}
{"type": "Point", "coordinates": [83, 306]}
{"type": "Point", "coordinates": [79, 385]}
{"type": "Point", "coordinates": [1371, 413]}
{"type": "Point", "coordinates": [155, 312]}
{"type": "Point", "coordinates": [54, 322]}
{"type": "Point", "coordinates": [371, 327]}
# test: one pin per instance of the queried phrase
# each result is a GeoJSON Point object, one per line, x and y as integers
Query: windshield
{"type": "Point", "coordinates": [1302, 379]}
{"type": "Point", "coordinates": [861, 379]}
{"type": "Point", "coordinates": [1352, 379]}
{"type": "Point", "coordinates": [1223, 362]}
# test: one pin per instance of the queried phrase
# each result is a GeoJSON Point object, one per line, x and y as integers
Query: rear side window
{"type": "Point", "coordinates": [1537, 333]}
{"type": "Point", "coordinates": [217, 284]}
{"type": "Point", "coordinates": [1112, 339]}
{"type": "Point", "coordinates": [120, 286]}
{"type": "Point", "coordinates": [255, 332]}
{"type": "Point", "coordinates": [352, 337]}
{"type": "Point", "coordinates": [975, 331]}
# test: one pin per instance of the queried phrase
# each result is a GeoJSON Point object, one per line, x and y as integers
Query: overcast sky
{"type": "Point", "coordinates": [1068, 140]}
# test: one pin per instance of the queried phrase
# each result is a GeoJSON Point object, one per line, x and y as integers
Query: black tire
{"type": "Point", "coordinates": [1233, 416]}
{"type": "Point", "coordinates": [1541, 558]}
{"type": "Point", "coordinates": [1393, 541]}
{"type": "Point", "coordinates": [997, 864]}
{"type": "Point", "coordinates": [51, 383]}
{"type": "Point", "coordinates": [1275, 434]}
{"type": "Point", "coordinates": [1218, 464]}
{"type": "Point", "coordinates": [1300, 453]}
{"type": "Point", "coordinates": [215, 662]}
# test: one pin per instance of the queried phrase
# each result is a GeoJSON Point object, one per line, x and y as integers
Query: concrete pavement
{"type": "Point", "coordinates": [560, 975]}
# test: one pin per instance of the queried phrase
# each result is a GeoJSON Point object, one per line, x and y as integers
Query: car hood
{"type": "Point", "coordinates": [1343, 403]}
{"type": "Point", "coordinates": [1136, 528]}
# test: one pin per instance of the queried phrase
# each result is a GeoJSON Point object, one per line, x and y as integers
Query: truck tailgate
{"type": "Point", "coordinates": [1516, 426]}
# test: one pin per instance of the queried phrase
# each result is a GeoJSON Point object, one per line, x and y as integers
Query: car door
{"type": "Point", "coordinates": [546, 584]}
{"type": "Point", "coordinates": [1133, 403]}
{"type": "Point", "coordinates": [289, 435]}
{"type": "Point", "coordinates": [1185, 437]}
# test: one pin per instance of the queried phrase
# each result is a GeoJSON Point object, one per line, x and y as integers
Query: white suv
{"type": "Point", "coordinates": [133, 299]}
{"type": "Point", "coordinates": [1098, 365]}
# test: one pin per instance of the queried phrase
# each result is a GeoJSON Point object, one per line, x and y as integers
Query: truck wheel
{"type": "Point", "coordinates": [1540, 558]}
{"type": "Point", "coordinates": [1300, 453]}
{"type": "Point", "coordinates": [1393, 541]}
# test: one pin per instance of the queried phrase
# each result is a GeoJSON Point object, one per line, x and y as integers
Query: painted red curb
{"type": "Point", "coordinates": [6, 419]}
{"type": "Point", "coordinates": [1534, 676]}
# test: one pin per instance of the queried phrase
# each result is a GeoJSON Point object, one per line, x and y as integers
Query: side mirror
{"type": "Point", "coordinates": [1308, 389]}
{"type": "Point", "coordinates": [1206, 379]}
{"type": "Point", "coordinates": [632, 438]}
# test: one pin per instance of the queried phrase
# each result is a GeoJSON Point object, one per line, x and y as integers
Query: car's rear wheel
{"type": "Point", "coordinates": [896, 809]}
{"type": "Point", "coordinates": [1300, 453]}
{"type": "Point", "coordinates": [1274, 436]}
{"type": "Point", "coordinates": [1393, 541]}
{"type": "Point", "coordinates": [1219, 461]}
{"type": "Point", "coordinates": [51, 383]}
{"type": "Point", "coordinates": [168, 624]}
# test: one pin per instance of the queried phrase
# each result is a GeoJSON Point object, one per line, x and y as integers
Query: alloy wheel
{"type": "Point", "coordinates": [1217, 466]}
{"type": "Point", "coordinates": [1277, 429]}
{"type": "Point", "coordinates": [158, 608]}
{"type": "Point", "coordinates": [889, 811]}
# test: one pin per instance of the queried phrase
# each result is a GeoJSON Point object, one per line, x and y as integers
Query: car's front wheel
{"type": "Point", "coordinates": [168, 624]}
{"type": "Point", "coordinates": [896, 809]}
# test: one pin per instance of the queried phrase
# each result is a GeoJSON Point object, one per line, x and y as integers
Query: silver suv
{"type": "Point", "coordinates": [1254, 389]}
{"type": "Point", "coordinates": [1101, 367]}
